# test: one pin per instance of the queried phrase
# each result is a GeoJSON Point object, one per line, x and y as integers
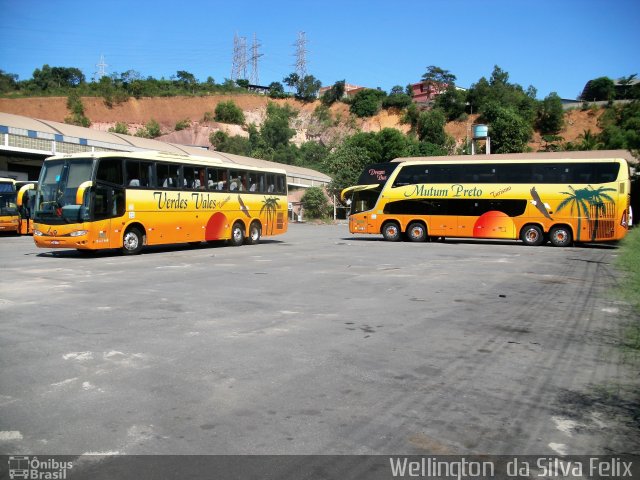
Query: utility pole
{"type": "Point", "coordinates": [301, 55]}
{"type": "Point", "coordinates": [255, 79]}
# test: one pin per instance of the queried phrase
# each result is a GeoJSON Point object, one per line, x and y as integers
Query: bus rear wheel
{"type": "Point", "coordinates": [560, 236]}
{"type": "Point", "coordinates": [132, 241]}
{"type": "Point", "coordinates": [254, 234]}
{"type": "Point", "coordinates": [391, 232]}
{"type": "Point", "coordinates": [532, 235]}
{"type": "Point", "coordinates": [237, 235]}
{"type": "Point", "coordinates": [417, 232]}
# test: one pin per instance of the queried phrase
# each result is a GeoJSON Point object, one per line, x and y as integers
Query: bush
{"type": "Point", "coordinates": [150, 130]}
{"type": "Point", "coordinates": [229, 112]}
{"type": "Point", "coordinates": [121, 128]}
{"type": "Point", "coordinates": [182, 124]}
{"type": "Point", "coordinates": [315, 203]}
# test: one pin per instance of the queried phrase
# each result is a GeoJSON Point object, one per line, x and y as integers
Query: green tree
{"type": "Point", "coordinates": [307, 88]}
{"type": "Point", "coordinates": [276, 90]}
{"type": "Point", "coordinates": [315, 204]}
{"type": "Point", "coordinates": [367, 102]}
{"type": "Point", "coordinates": [437, 78]}
{"type": "Point", "coordinates": [621, 127]}
{"type": "Point", "coordinates": [313, 155]}
{"type": "Point", "coordinates": [430, 127]}
{"type": "Point", "coordinates": [229, 112]}
{"type": "Point", "coordinates": [599, 89]}
{"type": "Point", "coordinates": [275, 130]}
{"type": "Point", "coordinates": [74, 104]}
{"type": "Point", "coordinates": [237, 145]}
{"type": "Point", "coordinates": [397, 98]}
{"type": "Point", "coordinates": [452, 102]}
{"type": "Point", "coordinates": [345, 165]}
{"type": "Point", "coordinates": [8, 82]}
{"type": "Point", "coordinates": [335, 93]}
{"type": "Point", "coordinates": [509, 132]}
{"type": "Point", "coordinates": [550, 115]}
{"type": "Point", "coordinates": [187, 80]}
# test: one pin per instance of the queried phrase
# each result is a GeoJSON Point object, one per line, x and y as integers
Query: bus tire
{"type": "Point", "coordinates": [132, 241]}
{"type": "Point", "coordinates": [255, 233]}
{"type": "Point", "coordinates": [237, 235]}
{"type": "Point", "coordinates": [560, 236]}
{"type": "Point", "coordinates": [532, 235]}
{"type": "Point", "coordinates": [417, 232]}
{"type": "Point", "coordinates": [391, 232]}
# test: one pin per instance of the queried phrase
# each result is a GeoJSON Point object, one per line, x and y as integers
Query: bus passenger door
{"type": "Point", "coordinates": [108, 208]}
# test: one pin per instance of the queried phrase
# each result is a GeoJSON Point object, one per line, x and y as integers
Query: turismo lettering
{"type": "Point", "coordinates": [455, 191]}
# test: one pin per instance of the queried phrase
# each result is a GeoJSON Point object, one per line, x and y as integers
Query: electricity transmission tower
{"type": "Point", "coordinates": [239, 66]}
{"type": "Point", "coordinates": [255, 79]}
{"type": "Point", "coordinates": [301, 55]}
{"type": "Point", "coordinates": [102, 68]}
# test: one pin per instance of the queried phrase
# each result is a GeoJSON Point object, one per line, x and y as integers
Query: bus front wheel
{"type": "Point", "coordinates": [417, 232]}
{"type": "Point", "coordinates": [132, 241]}
{"type": "Point", "coordinates": [237, 235]}
{"type": "Point", "coordinates": [532, 235]}
{"type": "Point", "coordinates": [391, 232]}
{"type": "Point", "coordinates": [560, 236]}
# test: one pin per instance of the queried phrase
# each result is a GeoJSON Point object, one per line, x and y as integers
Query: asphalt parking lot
{"type": "Point", "coordinates": [315, 342]}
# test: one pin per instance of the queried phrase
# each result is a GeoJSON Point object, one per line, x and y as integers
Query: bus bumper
{"type": "Point", "coordinates": [9, 225]}
{"type": "Point", "coordinates": [78, 239]}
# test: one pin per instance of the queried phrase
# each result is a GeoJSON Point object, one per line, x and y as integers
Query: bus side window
{"type": "Point", "coordinates": [110, 170]}
{"type": "Point", "coordinates": [132, 170]}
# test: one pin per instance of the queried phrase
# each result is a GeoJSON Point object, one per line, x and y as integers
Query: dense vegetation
{"type": "Point", "coordinates": [512, 112]}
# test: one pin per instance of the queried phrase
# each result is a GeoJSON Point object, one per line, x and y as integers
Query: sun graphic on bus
{"type": "Point", "coordinates": [494, 224]}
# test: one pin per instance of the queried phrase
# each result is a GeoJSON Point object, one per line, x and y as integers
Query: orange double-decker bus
{"type": "Point", "coordinates": [129, 200]}
{"type": "Point", "coordinates": [584, 197]}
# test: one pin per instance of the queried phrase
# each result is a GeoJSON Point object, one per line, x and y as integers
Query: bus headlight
{"type": "Point", "coordinates": [78, 233]}
{"type": "Point", "coordinates": [37, 233]}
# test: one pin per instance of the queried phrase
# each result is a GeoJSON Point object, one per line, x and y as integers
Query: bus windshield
{"type": "Point", "coordinates": [364, 200]}
{"type": "Point", "coordinates": [59, 181]}
{"type": "Point", "coordinates": [8, 199]}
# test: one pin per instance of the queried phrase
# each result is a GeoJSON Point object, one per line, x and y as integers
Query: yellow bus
{"type": "Point", "coordinates": [129, 200]}
{"type": "Point", "coordinates": [9, 216]}
{"type": "Point", "coordinates": [530, 197]}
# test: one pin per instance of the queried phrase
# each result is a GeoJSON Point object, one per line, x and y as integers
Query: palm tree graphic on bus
{"type": "Point", "coordinates": [581, 199]}
{"type": "Point", "coordinates": [270, 207]}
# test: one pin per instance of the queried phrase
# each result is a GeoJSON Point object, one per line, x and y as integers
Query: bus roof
{"type": "Point", "coordinates": [160, 156]}
{"type": "Point", "coordinates": [573, 155]}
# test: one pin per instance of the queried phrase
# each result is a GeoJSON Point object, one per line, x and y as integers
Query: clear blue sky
{"type": "Point", "coordinates": [554, 45]}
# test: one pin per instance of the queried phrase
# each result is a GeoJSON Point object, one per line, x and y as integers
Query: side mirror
{"type": "Point", "coordinates": [81, 189]}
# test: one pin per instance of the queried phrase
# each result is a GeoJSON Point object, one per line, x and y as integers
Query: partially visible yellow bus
{"type": "Point", "coordinates": [9, 216]}
{"type": "Point", "coordinates": [534, 199]}
{"type": "Point", "coordinates": [25, 197]}
{"type": "Point", "coordinates": [129, 200]}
